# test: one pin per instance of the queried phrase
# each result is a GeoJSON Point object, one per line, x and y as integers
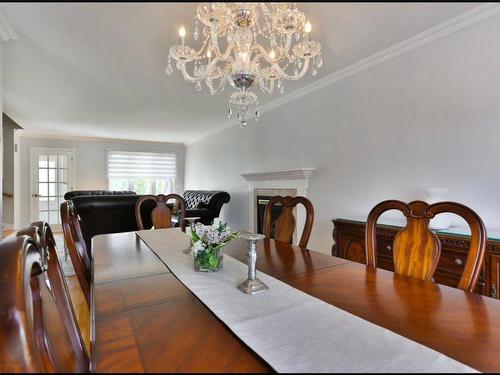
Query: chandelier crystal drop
{"type": "Point", "coordinates": [246, 44]}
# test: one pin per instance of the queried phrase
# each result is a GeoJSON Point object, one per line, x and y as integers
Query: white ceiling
{"type": "Point", "coordinates": [98, 70]}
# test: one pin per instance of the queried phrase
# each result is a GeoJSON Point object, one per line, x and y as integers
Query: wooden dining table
{"type": "Point", "coordinates": [144, 319]}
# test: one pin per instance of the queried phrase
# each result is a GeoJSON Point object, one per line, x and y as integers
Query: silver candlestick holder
{"type": "Point", "coordinates": [189, 250]}
{"type": "Point", "coordinates": [252, 285]}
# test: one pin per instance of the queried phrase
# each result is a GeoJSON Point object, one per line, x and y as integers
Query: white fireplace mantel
{"type": "Point", "coordinates": [297, 179]}
{"type": "Point", "coordinates": [291, 175]}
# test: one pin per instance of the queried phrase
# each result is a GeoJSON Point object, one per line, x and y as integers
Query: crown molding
{"type": "Point", "coordinates": [7, 31]}
{"type": "Point", "coordinates": [39, 134]}
{"type": "Point", "coordinates": [457, 23]}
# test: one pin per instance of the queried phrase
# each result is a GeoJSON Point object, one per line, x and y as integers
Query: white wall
{"type": "Point", "coordinates": [429, 118]}
{"type": "Point", "coordinates": [90, 162]}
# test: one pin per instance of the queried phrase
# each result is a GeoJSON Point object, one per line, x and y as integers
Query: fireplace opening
{"type": "Point", "coordinates": [262, 201]}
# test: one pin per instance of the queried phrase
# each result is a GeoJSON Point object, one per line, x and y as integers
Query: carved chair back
{"type": "Point", "coordinates": [38, 330]}
{"type": "Point", "coordinates": [283, 227]}
{"type": "Point", "coordinates": [73, 238]}
{"type": "Point", "coordinates": [161, 216]}
{"type": "Point", "coordinates": [416, 248]}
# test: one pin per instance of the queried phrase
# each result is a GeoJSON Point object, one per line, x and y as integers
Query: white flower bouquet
{"type": "Point", "coordinates": [208, 241]}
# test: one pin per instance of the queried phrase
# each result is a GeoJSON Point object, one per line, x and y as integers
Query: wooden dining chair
{"type": "Point", "coordinates": [34, 230]}
{"type": "Point", "coordinates": [75, 243]}
{"type": "Point", "coordinates": [161, 215]}
{"type": "Point", "coordinates": [416, 248]}
{"type": "Point", "coordinates": [283, 227]}
{"type": "Point", "coordinates": [38, 329]}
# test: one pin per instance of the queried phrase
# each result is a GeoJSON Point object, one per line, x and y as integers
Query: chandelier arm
{"type": "Point", "coordinates": [222, 85]}
{"type": "Point", "coordinates": [212, 65]}
{"type": "Point", "coordinates": [283, 74]}
{"type": "Point", "coordinates": [186, 75]}
{"type": "Point", "coordinates": [198, 53]}
{"type": "Point", "coordinates": [225, 72]}
{"type": "Point", "coordinates": [214, 42]}
{"type": "Point", "coordinates": [262, 85]}
{"type": "Point", "coordinates": [216, 59]}
{"type": "Point", "coordinates": [226, 54]}
{"type": "Point", "coordinates": [262, 54]}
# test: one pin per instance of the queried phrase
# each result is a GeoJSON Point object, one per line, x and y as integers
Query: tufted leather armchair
{"type": "Point", "coordinates": [205, 203]}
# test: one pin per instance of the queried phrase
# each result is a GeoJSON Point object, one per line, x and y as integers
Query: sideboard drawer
{"type": "Point", "coordinates": [451, 266]}
{"type": "Point", "coordinates": [384, 249]}
{"type": "Point", "coordinates": [452, 261]}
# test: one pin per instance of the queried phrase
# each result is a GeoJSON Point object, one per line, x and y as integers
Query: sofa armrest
{"type": "Point", "coordinates": [217, 200]}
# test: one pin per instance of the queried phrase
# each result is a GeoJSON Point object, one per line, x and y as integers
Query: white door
{"type": "Point", "coordinates": [51, 177]}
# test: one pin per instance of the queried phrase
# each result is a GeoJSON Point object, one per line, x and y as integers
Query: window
{"type": "Point", "coordinates": [144, 173]}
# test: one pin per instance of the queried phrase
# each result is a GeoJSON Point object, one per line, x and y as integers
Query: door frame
{"type": "Point", "coordinates": [34, 151]}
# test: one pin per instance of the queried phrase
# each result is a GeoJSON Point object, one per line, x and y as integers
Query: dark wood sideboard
{"type": "Point", "coordinates": [349, 243]}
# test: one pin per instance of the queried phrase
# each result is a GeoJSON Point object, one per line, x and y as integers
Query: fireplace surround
{"type": "Point", "coordinates": [293, 182]}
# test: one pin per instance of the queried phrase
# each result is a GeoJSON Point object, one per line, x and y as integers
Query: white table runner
{"type": "Point", "coordinates": [293, 331]}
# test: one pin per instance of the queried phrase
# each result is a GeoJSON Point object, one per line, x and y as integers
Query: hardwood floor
{"type": "Point", "coordinates": [8, 232]}
{"type": "Point", "coordinates": [81, 309]}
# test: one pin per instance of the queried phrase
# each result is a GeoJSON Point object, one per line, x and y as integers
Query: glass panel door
{"type": "Point", "coordinates": [51, 182]}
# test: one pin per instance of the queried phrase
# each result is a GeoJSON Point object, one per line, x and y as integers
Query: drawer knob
{"type": "Point", "coordinates": [388, 248]}
{"type": "Point", "coordinates": [458, 261]}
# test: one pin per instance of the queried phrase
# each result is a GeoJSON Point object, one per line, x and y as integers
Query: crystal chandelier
{"type": "Point", "coordinates": [232, 50]}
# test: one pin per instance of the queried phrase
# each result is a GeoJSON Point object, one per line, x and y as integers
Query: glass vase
{"type": "Point", "coordinates": [209, 259]}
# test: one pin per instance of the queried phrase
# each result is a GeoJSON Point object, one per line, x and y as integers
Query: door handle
{"type": "Point", "coordinates": [35, 195]}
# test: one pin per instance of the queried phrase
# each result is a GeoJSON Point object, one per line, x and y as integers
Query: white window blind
{"type": "Point", "coordinates": [144, 173]}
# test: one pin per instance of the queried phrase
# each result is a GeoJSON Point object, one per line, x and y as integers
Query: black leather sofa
{"type": "Point", "coordinates": [115, 212]}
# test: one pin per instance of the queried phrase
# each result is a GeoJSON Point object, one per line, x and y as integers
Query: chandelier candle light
{"type": "Point", "coordinates": [243, 29]}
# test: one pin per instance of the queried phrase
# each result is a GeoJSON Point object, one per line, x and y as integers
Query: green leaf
{"type": "Point", "coordinates": [194, 236]}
